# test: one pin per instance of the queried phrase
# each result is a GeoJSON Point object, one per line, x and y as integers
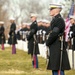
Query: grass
{"type": "Point", "coordinates": [20, 64]}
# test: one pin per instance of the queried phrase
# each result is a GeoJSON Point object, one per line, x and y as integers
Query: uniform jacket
{"type": "Point", "coordinates": [32, 48]}
{"type": "Point", "coordinates": [72, 36]}
{"type": "Point", "coordinates": [2, 35]}
{"type": "Point", "coordinates": [12, 39]}
{"type": "Point", "coordinates": [54, 44]}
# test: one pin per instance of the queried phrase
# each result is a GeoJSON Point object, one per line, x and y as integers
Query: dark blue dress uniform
{"type": "Point", "coordinates": [2, 35]}
{"type": "Point", "coordinates": [40, 34]}
{"type": "Point", "coordinates": [30, 38]}
{"type": "Point", "coordinates": [12, 39]}
{"type": "Point", "coordinates": [72, 29]}
{"type": "Point", "coordinates": [33, 48]}
{"type": "Point", "coordinates": [72, 42]}
{"type": "Point", "coordinates": [54, 44]}
{"type": "Point", "coordinates": [23, 34]}
{"type": "Point", "coordinates": [18, 34]}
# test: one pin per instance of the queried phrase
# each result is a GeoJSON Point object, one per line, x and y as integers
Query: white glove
{"type": "Point", "coordinates": [71, 33]}
{"type": "Point", "coordinates": [8, 35]}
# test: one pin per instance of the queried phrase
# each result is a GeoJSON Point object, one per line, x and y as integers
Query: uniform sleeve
{"type": "Point", "coordinates": [71, 32]}
{"type": "Point", "coordinates": [12, 29]}
{"type": "Point", "coordinates": [32, 32]}
{"type": "Point", "coordinates": [2, 29]}
{"type": "Point", "coordinates": [55, 32]}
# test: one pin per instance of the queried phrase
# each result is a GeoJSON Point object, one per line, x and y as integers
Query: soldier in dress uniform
{"type": "Point", "coordinates": [32, 42]}
{"type": "Point", "coordinates": [25, 31]}
{"type": "Point", "coordinates": [46, 29]}
{"type": "Point", "coordinates": [72, 37]}
{"type": "Point", "coordinates": [18, 32]}
{"type": "Point", "coordinates": [21, 31]}
{"type": "Point", "coordinates": [12, 40]}
{"type": "Point", "coordinates": [58, 58]}
{"type": "Point", "coordinates": [2, 35]}
{"type": "Point", "coordinates": [39, 31]}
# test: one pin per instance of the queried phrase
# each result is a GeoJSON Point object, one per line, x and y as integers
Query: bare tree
{"type": "Point", "coordinates": [22, 8]}
{"type": "Point", "coordinates": [66, 7]}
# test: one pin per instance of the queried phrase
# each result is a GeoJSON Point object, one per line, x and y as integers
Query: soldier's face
{"type": "Point", "coordinates": [33, 19]}
{"type": "Point", "coordinates": [39, 23]}
{"type": "Point", "coordinates": [72, 21]}
{"type": "Point", "coordinates": [11, 21]}
{"type": "Point", "coordinates": [48, 24]}
{"type": "Point", "coordinates": [52, 11]}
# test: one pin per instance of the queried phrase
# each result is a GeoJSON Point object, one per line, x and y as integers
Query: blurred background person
{"type": "Point", "coordinates": [33, 48]}
{"type": "Point", "coordinates": [12, 40]}
{"type": "Point", "coordinates": [2, 34]}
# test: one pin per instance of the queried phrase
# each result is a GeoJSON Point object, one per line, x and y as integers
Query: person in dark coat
{"type": "Point", "coordinates": [58, 61]}
{"type": "Point", "coordinates": [72, 37]}
{"type": "Point", "coordinates": [39, 31]}
{"type": "Point", "coordinates": [24, 31]}
{"type": "Point", "coordinates": [2, 35]}
{"type": "Point", "coordinates": [12, 36]}
{"type": "Point", "coordinates": [32, 42]}
{"type": "Point", "coordinates": [17, 32]}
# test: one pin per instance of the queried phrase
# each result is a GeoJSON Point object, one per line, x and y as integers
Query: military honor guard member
{"type": "Point", "coordinates": [72, 37]}
{"type": "Point", "coordinates": [17, 33]}
{"type": "Point", "coordinates": [58, 58]}
{"type": "Point", "coordinates": [40, 32]}
{"type": "Point", "coordinates": [32, 42]}
{"type": "Point", "coordinates": [12, 36]}
{"type": "Point", "coordinates": [2, 35]}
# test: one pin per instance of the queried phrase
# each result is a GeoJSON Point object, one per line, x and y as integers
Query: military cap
{"type": "Point", "coordinates": [28, 24]}
{"type": "Point", "coordinates": [53, 6]}
{"type": "Point", "coordinates": [39, 20]}
{"type": "Point", "coordinates": [45, 21]}
{"type": "Point", "coordinates": [1, 22]}
{"type": "Point", "coordinates": [11, 18]}
{"type": "Point", "coordinates": [72, 17]}
{"type": "Point", "coordinates": [24, 23]}
{"type": "Point", "coordinates": [33, 15]}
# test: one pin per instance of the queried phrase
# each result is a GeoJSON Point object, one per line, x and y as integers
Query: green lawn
{"type": "Point", "coordinates": [20, 64]}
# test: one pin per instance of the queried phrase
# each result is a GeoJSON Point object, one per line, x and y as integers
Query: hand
{"type": "Point", "coordinates": [8, 35]}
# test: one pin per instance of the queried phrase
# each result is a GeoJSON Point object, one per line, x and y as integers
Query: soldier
{"type": "Point", "coordinates": [46, 29]}
{"type": "Point", "coordinates": [18, 32]}
{"type": "Point", "coordinates": [25, 31]}
{"type": "Point", "coordinates": [2, 35]}
{"type": "Point", "coordinates": [72, 37]}
{"type": "Point", "coordinates": [32, 42]}
{"type": "Point", "coordinates": [58, 58]}
{"type": "Point", "coordinates": [38, 34]}
{"type": "Point", "coordinates": [12, 36]}
{"type": "Point", "coordinates": [40, 31]}
{"type": "Point", "coordinates": [21, 31]}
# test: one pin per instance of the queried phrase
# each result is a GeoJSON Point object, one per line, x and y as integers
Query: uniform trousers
{"type": "Point", "coordinates": [58, 72]}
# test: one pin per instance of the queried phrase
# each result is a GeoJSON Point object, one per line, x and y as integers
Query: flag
{"type": "Point", "coordinates": [67, 21]}
{"type": "Point", "coordinates": [67, 28]}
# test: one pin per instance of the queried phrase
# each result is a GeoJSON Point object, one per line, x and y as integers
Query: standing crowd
{"type": "Point", "coordinates": [49, 33]}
